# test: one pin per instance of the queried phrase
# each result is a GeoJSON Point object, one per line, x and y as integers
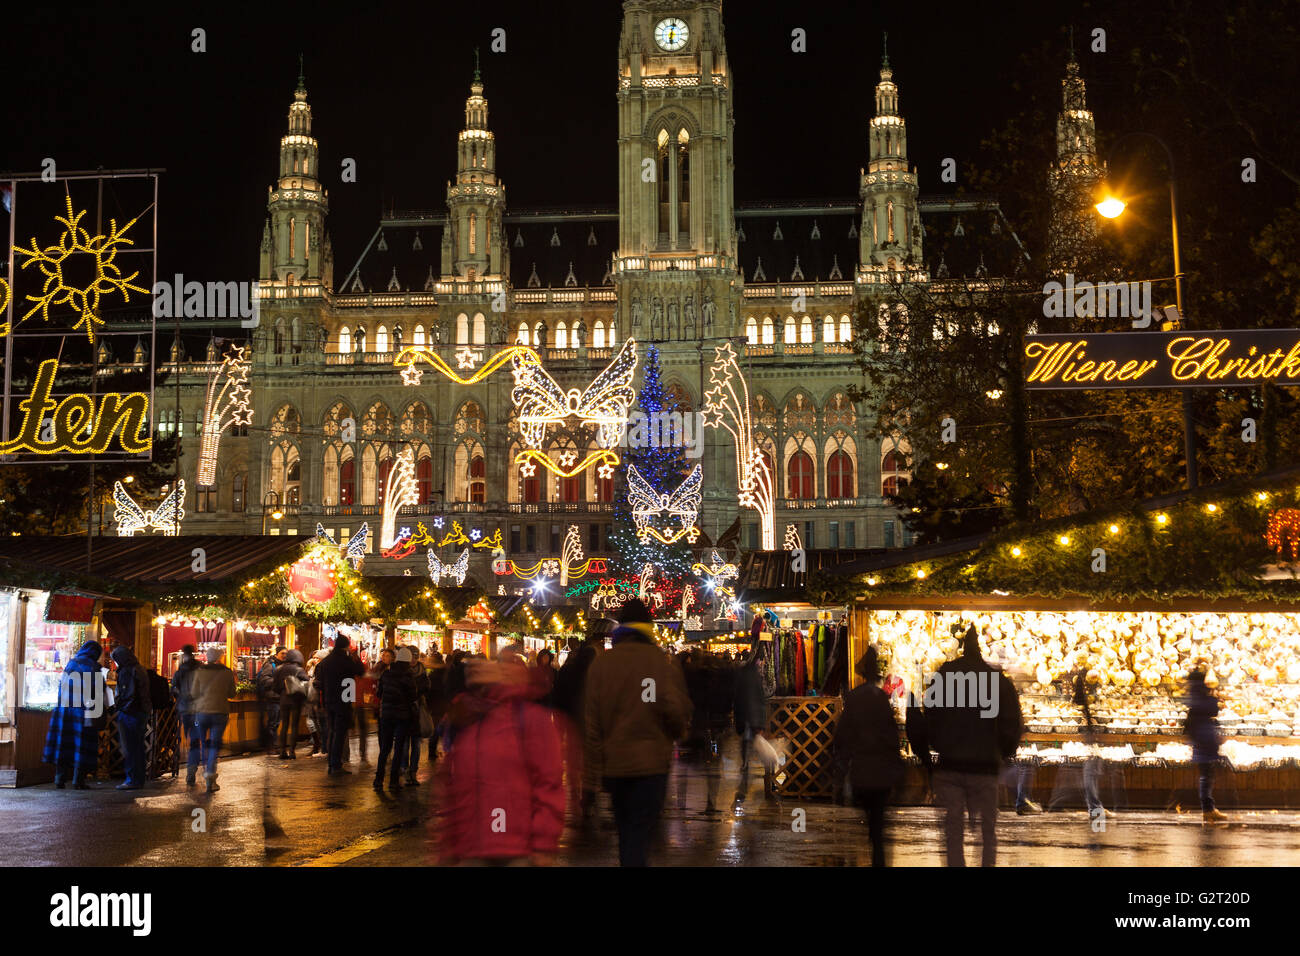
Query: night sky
{"type": "Point", "coordinates": [387, 87]}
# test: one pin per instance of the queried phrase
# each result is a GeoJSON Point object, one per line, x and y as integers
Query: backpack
{"type": "Point", "coordinates": [266, 679]}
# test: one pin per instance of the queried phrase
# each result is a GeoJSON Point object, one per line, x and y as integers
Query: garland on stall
{"type": "Point", "coordinates": [1208, 545]}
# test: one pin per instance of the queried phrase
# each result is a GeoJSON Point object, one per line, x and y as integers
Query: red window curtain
{"type": "Point", "coordinates": [800, 475]}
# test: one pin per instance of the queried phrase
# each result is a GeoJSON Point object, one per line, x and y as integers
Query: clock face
{"type": "Point", "coordinates": [671, 34]}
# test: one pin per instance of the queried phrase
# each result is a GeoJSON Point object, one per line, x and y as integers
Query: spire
{"type": "Point", "coordinates": [1072, 43]}
{"type": "Point", "coordinates": [884, 62]}
{"type": "Point", "coordinates": [302, 79]}
{"type": "Point", "coordinates": [478, 77]}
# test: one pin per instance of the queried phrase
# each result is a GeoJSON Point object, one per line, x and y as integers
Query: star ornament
{"type": "Point", "coordinates": [606, 470]}
{"type": "Point", "coordinates": [475, 534]}
{"type": "Point", "coordinates": [468, 358]}
{"type": "Point", "coordinates": [528, 468]}
{"type": "Point", "coordinates": [567, 458]}
{"type": "Point", "coordinates": [711, 416]}
{"type": "Point", "coordinates": [411, 375]}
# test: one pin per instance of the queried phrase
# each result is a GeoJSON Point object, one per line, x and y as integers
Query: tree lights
{"type": "Point", "coordinates": [231, 404]}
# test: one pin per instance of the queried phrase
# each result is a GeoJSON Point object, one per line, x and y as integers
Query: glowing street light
{"type": "Point", "coordinates": [1110, 207]}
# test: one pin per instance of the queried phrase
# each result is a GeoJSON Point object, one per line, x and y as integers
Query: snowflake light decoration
{"type": "Point", "coordinates": [54, 260]}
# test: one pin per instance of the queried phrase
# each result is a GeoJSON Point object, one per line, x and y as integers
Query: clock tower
{"type": "Point", "coordinates": [675, 268]}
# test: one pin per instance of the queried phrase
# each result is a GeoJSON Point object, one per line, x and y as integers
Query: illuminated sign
{"type": "Point", "coordinates": [1223, 359]}
{"type": "Point", "coordinates": [73, 425]}
{"type": "Point", "coordinates": [311, 583]}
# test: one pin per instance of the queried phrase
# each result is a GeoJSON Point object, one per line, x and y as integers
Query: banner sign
{"type": "Point", "coordinates": [310, 582]}
{"type": "Point", "coordinates": [1220, 359]}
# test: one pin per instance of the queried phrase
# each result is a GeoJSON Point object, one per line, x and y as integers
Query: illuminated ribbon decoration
{"type": "Point", "coordinates": [726, 407]}
{"type": "Point", "coordinates": [529, 458]}
{"type": "Point", "coordinates": [231, 405]}
{"type": "Point", "coordinates": [421, 353]}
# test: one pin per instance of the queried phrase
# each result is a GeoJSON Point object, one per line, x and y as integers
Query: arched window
{"type": "Point", "coordinates": [345, 341]}
{"type": "Point", "coordinates": [839, 475]}
{"type": "Point", "coordinates": [799, 476]}
{"type": "Point", "coordinates": [751, 330]}
{"type": "Point", "coordinates": [522, 337]}
{"type": "Point", "coordinates": [894, 471]}
{"type": "Point", "coordinates": [790, 335]}
{"type": "Point", "coordinates": [480, 329]}
{"type": "Point", "coordinates": [828, 330]}
{"type": "Point", "coordinates": [293, 482]}
{"type": "Point", "coordinates": [424, 479]}
{"type": "Point", "coordinates": [806, 330]}
{"type": "Point", "coordinates": [477, 479]}
{"type": "Point", "coordinates": [238, 492]}
{"type": "Point", "coordinates": [612, 335]}
{"type": "Point", "coordinates": [598, 335]}
{"type": "Point", "coordinates": [561, 335]}
{"type": "Point", "coordinates": [531, 488]}
{"type": "Point", "coordinates": [462, 329]}
{"type": "Point", "coordinates": [381, 339]}
{"type": "Point", "coordinates": [769, 330]}
{"type": "Point", "coordinates": [348, 480]}
{"type": "Point", "coordinates": [846, 329]}
{"type": "Point", "coordinates": [369, 475]}
{"type": "Point", "coordinates": [417, 338]}
{"type": "Point", "coordinates": [604, 488]}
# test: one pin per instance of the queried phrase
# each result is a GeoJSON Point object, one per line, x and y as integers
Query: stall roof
{"type": "Point", "coordinates": [148, 559]}
{"type": "Point", "coordinates": [767, 577]}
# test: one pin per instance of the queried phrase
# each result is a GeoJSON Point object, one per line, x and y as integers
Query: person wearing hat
{"type": "Point", "coordinates": [867, 750]}
{"type": "Point", "coordinates": [971, 717]}
{"type": "Point", "coordinates": [397, 693]}
{"type": "Point", "coordinates": [183, 692]}
{"type": "Point", "coordinates": [636, 706]}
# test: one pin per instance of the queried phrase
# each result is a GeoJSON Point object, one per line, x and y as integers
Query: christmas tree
{"type": "Point", "coordinates": [656, 449]}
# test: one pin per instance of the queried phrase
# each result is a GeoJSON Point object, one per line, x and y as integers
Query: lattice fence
{"type": "Point", "coordinates": [161, 741]}
{"type": "Point", "coordinates": [807, 726]}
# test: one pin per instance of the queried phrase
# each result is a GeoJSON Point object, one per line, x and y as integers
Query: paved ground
{"type": "Point", "coordinates": [271, 812]}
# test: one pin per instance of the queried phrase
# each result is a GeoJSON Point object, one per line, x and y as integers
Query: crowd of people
{"type": "Point", "coordinates": [524, 742]}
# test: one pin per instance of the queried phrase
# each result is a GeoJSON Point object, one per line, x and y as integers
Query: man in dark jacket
{"type": "Point", "coordinates": [867, 750]}
{"type": "Point", "coordinates": [636, 706]}
{"type": "Point", "coordinates": [397, 694]}
{"type": "Point", "coordinates": [422, 689]}
{"type": "Point", "coordinates": [570, 686]}
{"type": "Point", "coordinates": [183, 692]}
{"type": "Point", "coordinates": [291, 700]}
{"type": "Point", "coordinates": [336, 680]}
{"type": "Point", "coordinates": [134, 704]}
{"type": "Point", "coordinates": [266, 693]}
{"type": "Point", "coordinates": [72, 741]}
{"type": "Point", "coordinates": [971, 716]}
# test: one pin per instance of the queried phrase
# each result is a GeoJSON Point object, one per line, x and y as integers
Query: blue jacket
{"type": "Point", "coordinates": [73, 736]}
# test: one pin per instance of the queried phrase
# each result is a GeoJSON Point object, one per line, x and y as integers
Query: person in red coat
{"type": "Point", "coordinates": [505, 789]}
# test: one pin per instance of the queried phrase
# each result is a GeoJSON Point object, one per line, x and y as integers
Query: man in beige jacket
{"type": "Point", "coordinates": [636, 706]}
{"type": "Point", "coordinates": [212, 689]}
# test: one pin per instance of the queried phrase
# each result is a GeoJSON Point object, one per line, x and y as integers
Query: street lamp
{"type": "Point", "coordinates": [271, 508]}
{"type": "Point", "coordinates": [1111, 208]}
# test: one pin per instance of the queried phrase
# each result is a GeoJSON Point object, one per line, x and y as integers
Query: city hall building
{"type": "Point", "coordinates": [677, 260]}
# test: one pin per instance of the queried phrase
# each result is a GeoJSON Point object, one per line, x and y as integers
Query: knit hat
{"type": "Point", "coordinates": [634, 612]}
{"type": "Point", "coordinates": [214, 654]}
{"type": "Point", "coordinates": [404, 654]}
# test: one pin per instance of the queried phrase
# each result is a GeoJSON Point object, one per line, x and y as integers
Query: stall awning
{"type": "Point", "coordinates": [148, 559]}
{"type": "Point", "coordinates": [768, 577]}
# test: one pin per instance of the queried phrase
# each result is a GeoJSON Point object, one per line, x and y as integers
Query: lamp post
{"type": "Point", "coordinates": [271, 508]}
{"type": "Point", "coordinates": [1111, 208]}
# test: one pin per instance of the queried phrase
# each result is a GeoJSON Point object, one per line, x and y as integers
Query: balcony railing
{"type": "Point", "coordinates": [789, 290]}
{"type": "Point", "coordinates": [783, 349]}
{"type": "Point", "coordinates": [808, 504]}
{"type": "Point", "coordinates": [561, 507]}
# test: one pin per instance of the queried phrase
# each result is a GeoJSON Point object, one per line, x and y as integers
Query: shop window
{"type": "Point", "coordinates": [799, 475]}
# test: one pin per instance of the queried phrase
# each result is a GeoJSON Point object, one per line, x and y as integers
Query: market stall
{"type": "Point", "coordinates": [1067, 600]}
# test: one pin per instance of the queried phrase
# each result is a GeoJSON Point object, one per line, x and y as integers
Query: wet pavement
{"type": "Point", "coordinates": [287, 813]}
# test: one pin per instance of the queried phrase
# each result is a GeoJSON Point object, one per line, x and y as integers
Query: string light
{"type": "Point", "coordinates": [1064, 540]}
{"type": "Point", "coordinates": [683, 505]}
{"type": "Point", "coordinates": [1212, 508]}
{"type": "Point", "coordinates": [231, 405]}
{"type": "Point", "coordinates": [1162, 519]}
{"type": "Point", "coordinates": [1114, 529]}
{"type": "Point", "coordinates": [727, 406]}
{"type": "Point", "coordinates": [126, 415]}
{"type": "Point", "coordinates": [1016, 552]}
{"type": "Point", "coordinates": [130, 517]}
{"type": "Point", "coordinates": [420, 353]}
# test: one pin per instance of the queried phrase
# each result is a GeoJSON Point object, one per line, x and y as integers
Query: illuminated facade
{"type": "Point", "coordinates": [677, 262]}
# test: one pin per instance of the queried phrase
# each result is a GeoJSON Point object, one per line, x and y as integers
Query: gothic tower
{"type": "Point", "coordinates": [1072, 181]}
{"type": "Point", "coordinates": [473, 244]}
{"type": "Point", "coordinates": [675, 267]}
{"type": "Point", "coordinates": [295, 248]}
{"type": "Point", "coordinates": [889, 240]}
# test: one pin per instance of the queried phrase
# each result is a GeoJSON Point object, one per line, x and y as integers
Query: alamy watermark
{"type": "Point", "coordinates": [210, 300]}
{"type": "Point", "coordinates": [961, 689]}
{"type": "Point", "coordinates": [664, 430]}
{"type": "Point", "coordinates": [84, 690]}
{"type": "Point", "coordinates": [1107, 300]}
